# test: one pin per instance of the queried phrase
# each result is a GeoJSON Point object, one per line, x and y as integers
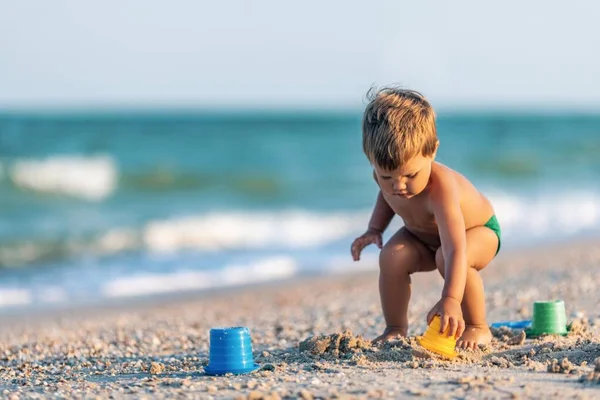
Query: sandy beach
{"type": "Point", "coordinates": [308, 338]}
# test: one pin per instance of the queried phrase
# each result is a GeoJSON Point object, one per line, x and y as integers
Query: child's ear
{"type": "Point", "coordinates": [437, 146]}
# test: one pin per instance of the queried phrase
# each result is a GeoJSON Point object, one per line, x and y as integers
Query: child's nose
{"type": "Point", "coordinates": [399, 185]}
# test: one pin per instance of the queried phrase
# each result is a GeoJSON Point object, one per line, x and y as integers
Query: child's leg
{"type": "Point", "coordinates": [401, 256]}
{"type": "Point", "coordinates": [482, 244]}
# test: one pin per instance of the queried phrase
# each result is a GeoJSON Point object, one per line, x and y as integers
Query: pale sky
{"type": "Point", "coordinates": [193, 53]}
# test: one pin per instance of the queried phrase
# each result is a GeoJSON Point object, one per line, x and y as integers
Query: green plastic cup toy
{"type": "Point", "coordinates": [549, 318]}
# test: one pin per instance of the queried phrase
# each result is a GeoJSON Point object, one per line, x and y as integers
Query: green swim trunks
{"type": "Point", "coordinates": [495, 226]}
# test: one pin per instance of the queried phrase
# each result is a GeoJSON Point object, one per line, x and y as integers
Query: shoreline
{"type": "Point", "coordinates": [577, 246]}
{"type": "Point", "coordinates": [159, 348]}
{"type": "Point", "coordinates": [38, 305]}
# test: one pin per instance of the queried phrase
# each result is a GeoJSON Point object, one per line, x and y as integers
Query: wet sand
{"type": "Point", "coordinates": [308, 338]}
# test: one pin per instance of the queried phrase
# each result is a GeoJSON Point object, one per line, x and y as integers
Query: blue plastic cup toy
{"type": "Point", "coordinates": [524, 324]}
{"type": "Point", "coordinates": [230, 352]}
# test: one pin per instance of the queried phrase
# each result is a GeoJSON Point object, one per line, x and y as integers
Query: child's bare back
{"type": "Point", "coordinates": [448, 224]}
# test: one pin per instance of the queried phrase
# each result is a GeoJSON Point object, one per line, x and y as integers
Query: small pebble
{"type": "Point", "coordinates": [251, 384]}
{"type": "Point", "coordinates": [306, 395]}
{"type": "Point", "coordinates": [212, 389]}
{"type": "Point", "coordinates": [255, 395]}
{"type": "Point", "coordinates": [156, 368]}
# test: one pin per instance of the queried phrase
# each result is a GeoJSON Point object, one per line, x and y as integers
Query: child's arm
{"type": "Point", "coordinates": [451, 226]}
{"type": "Point", "coordinates": [380, 219]}
{"type": "Point", "coordinates": [445, 204]}
{"type": "Point", "coordinates": [382, 214]}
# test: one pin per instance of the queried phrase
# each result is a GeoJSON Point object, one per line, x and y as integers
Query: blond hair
{"type": "Point", "coordinates": [397, 125]}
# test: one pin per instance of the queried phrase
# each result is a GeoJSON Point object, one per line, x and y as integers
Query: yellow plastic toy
{"type": "Point", "coordinates": [439, 343]}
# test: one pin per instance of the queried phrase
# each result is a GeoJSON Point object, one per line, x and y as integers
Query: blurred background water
{"type": "Point", "coordinates": [101, 206]}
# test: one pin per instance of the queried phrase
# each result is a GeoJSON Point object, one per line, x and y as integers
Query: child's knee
{"type": "Point", "coordinates": [440, 263]}
{"type": "Point", "coordinates": [398, 259]}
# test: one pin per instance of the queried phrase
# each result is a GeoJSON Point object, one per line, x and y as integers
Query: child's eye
{"type": "Point", "coordinates": [385, 178]}
{"type": "Point", "coordinates": [412, 176]}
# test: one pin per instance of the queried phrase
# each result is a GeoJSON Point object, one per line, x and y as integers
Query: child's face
{"type": "Point", "coordinates": [407, 181]}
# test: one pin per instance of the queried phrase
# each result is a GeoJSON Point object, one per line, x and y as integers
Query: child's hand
{"type": "Point", "coordinates": [450, 314]}
{"type": "Point", "coordinates": [367, 238]}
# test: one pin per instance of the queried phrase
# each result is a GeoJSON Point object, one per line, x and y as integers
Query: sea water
{"type": "Point", "coordinates": [100, 206]}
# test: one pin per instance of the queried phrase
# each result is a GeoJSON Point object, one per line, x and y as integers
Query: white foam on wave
{"type": "Point", "coordinates": [14, 297]}
{"type": "Point", "coordinates": [222, 231]}
{"type": "Point", "coordinates": [91, 178]}
{"type": "Point", "coordinates": [213, 232]}
{"type": "Point", "coordinates": [546, 216]}
{"type": "Point", "coordinates": [24, 296]}
{"type": "Point", "coordinates": [522, 218]}
{"type": "Point", "coordinates": [264, 270]}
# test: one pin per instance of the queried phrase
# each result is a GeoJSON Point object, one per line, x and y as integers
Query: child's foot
{"type": "Point", "coordinates": [473, 336]}
{"type": "Point", "coordinates": [390, 333]}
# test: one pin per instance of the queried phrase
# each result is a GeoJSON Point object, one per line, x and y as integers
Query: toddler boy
{"type": "Point", "coordinates": [448, 224]}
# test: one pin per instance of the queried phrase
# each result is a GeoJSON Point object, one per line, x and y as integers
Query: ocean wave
{"type": "Point", "coordinates": [219, 231]}
{"type": "Point", "coordinates": [96, 178]}
{"type": "Point", "coordinates": [214, 232]}
{"type": "Point", "coordinates": [550, 216]}
{"type": "Point", "coordinates": [94, 284]}
{"type": "Point", "coordinates": [262, 270]}
{"type": "Point", "coordinates": [276, 245]}
{"type": "Point", "coordinates": [15, 297]}
{"type": "Point", "coordinates": [522, 219]}
{"type": "Point", "coordinates": [91, 178]}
